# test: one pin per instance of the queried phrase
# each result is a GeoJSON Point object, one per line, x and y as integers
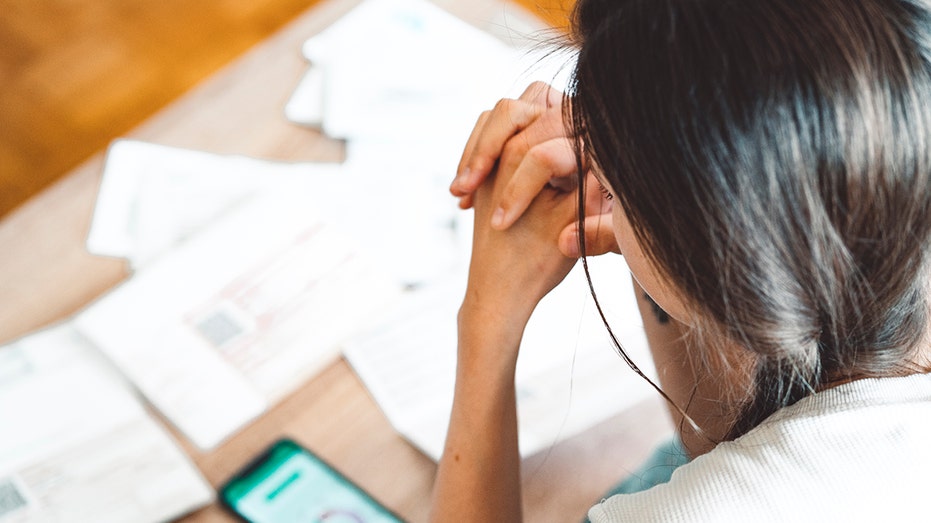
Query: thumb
{"type": "Point", "coordinates": [599, 237]}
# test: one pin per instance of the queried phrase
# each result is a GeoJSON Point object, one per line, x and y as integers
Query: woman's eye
{"type": "Point", "coordinates": [604, 192]}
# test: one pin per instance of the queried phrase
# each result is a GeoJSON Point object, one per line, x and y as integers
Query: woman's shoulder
{"type": "Point", "coordinates": [857, 449]}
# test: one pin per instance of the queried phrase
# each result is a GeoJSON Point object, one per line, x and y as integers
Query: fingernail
{"type": "Point", "coordinates": [497, 219]}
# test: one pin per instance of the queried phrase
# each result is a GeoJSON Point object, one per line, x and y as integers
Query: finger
{"type": "Point", "coordinates": [512, 152]}
{"type": "Point", "coordinates": [550, 163]}
{"type": "Point", "coordinates": [507, 119]}
{"type": "Point", "coordinates": [467, 151]}
{"type": "Point", "coordinates": [537, 93]}
{"type": "Point", "coordinates": [548, 126]}
{"type": "Point", "coordinates": [599, 237]}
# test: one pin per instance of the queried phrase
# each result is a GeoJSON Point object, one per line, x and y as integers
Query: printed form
{"type": "Point", "coordinates": [227, 324]}
{"type": "Point", "coordinates": [76, 445]}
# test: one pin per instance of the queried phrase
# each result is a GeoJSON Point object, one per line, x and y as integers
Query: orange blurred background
{"type": "Point", "coordinates": [78, 74]}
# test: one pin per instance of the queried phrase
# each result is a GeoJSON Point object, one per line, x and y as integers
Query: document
{"type": "Point", "coordinates": [152, 197]}
{"type": "Point", "coordinates": [569, 376]}
{"type": "Point", "coordinates": [406, 97]}
{"type": "Point", "coordinates": [420, 73]}
{"type": "Point", "coordinates": [76, 445]}
{"type": "Point", "coordinates": [230, 322]}
{"type": "Point", "coordinates": [402, 212]}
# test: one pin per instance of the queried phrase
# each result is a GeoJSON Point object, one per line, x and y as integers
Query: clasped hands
{"type": "Point", "coordinates": [519, 171]}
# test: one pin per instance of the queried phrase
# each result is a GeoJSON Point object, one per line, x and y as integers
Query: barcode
{"type": "Point", "coordinates": [219, 328]}
{"type": "Point", "coordinates": [11, 499]}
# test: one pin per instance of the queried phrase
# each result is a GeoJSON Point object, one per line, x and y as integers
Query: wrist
{"type": "Point", "coordinates": [489, 338]}
{"type": "Point", "coordinates": [505, 305]}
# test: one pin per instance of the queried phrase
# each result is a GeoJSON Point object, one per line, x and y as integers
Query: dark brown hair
{"type": "Point", "coordinates": [773, 159]}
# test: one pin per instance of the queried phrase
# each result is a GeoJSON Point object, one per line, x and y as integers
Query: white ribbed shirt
{"type": "Point", "coordinates": [857, 452]}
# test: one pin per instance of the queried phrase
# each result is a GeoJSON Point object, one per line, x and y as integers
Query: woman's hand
{"type": "Point", "coordinates": [518, 124]}
{"type": "Point", "coordinates": [511, 270]}
{"type": "Point", "coordinates": [518, 170]}
{"type": "Point", "coordinates": [525, 140]}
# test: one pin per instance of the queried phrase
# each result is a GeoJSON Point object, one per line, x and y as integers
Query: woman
{"type": "Point", "coordinates": [767, 170]}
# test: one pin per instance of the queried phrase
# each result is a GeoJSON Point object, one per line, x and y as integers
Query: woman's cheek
{"type": "Point", "coordinates": [643, 270]}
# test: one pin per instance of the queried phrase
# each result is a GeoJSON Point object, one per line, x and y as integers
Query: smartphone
{"type": "Point", "coordinates": [288, 483]}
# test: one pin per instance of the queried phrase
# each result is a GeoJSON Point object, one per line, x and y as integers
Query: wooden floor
{"type": "Point", "coordinates": [75, 74]}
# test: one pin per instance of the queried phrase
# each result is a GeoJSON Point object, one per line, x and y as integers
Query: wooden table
{"type": "Point", "coordinates": [47, 275]}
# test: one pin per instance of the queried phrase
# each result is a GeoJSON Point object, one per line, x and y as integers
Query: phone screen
{"type": "Point", "coordinates": [289, 484]}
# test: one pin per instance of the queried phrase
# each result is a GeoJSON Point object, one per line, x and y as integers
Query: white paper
{"type": "Point", "coordinates": [77, 446]}
{"type": "Point", "coordinates": [153, 197]}
{"type": "Point", "coordinates": [394, 198]}
{"type": "Point", "coordinates": [241, 315]}
{"type": "Point", "coordinates": [404, 81]}
{"type": "Point", "coordinates": [407, 68]}
{"type": "Point", "coordinates": [569, 377]}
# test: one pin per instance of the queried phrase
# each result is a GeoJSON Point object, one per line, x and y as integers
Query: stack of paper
{"type": "Point", "coordinates": [228, 321]}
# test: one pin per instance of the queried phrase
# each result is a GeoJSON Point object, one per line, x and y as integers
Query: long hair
{"type": "Point", "coordinates": [772, 157]}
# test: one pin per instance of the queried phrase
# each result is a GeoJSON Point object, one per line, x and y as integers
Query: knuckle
{"type": "Point", "coordinates": [543, 155]}
{"type": "Point", "coordinates": [536, 91]}
{"type": "Point", "coordinates": [504, 105]}
{"type": "Point", "coordinates": [539, 88]}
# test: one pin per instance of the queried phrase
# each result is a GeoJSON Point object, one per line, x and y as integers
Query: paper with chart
{"type": "Point", "coordinates": [76, 444]}
{"type": "Point", "coordinates": [569, 377]}
{"type": "Point", "coordinates": [229, 323]}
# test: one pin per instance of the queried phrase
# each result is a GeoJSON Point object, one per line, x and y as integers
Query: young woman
{"type": "Point", "coordinates": [766, 172]}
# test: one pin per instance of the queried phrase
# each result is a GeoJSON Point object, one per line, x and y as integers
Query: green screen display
{"type": "Point", "coordinates": [289, 484]}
